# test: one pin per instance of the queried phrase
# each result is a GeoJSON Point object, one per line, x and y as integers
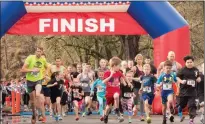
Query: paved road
{"type": "Point", "coordinates": [94, 119]}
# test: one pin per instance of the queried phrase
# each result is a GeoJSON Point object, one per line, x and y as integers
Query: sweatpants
{"type": "Point", "coordinates": [127, 105]}
{"type": "Point", "coordinates": [190, 101]}
{"type": "Point", "coordinates": [102, 103]}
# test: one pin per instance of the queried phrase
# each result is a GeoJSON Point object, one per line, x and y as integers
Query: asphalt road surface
{"type": "Point", "coordinates": [93, 119]}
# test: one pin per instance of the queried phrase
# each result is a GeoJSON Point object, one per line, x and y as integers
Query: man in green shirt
{"type": "Point", "coordinates": [34, 66]}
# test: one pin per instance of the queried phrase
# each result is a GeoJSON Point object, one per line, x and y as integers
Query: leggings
{"type": "Point", "coordinates": [127, 105]}
{"type": "Point", "coordinates": [102, 102]}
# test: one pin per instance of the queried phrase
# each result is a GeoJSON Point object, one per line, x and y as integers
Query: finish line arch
{"type": "Point", "coordinates": [160, 20]}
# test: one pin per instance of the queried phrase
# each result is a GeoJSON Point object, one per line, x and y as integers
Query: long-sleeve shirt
{"type": "Point", "coordinates": [101, 87]}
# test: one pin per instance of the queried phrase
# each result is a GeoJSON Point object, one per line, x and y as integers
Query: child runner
{"type": "Point", "coordinates": [165, 81]}
{"type": "Point", "coordinates": [188, 76]}
{"type": "Point", "coordinates": [101, 87]}
{"type": "Point", "coordinates": [76, 94]}
{"type": "Point", "coordinates": [127, 95]}
{"type": "Point", "coordinates": [147, 90]}
{"type": "Point", "coordinates": [55, 93]}
{"type": "Point", "coordinates": [113, 78]}
{"type": "Point", "coordinates": [64, 98]}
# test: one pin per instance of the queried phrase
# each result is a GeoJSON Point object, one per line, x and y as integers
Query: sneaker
{"type": "Point", "coordinates": [164, 121]}
{"type": "Point", "coordinates": [102, 118]}
{"type": "Point", "coordinates": [148, 119]}
{"type": "Point", "coordinates": [202, 119]}
{"type": "Point", "coordinates": [98, 112]}
{"type": "Point", "coordinates": [64, 115]}
{"type": "Point", "coordinates": [44, 120]}
{"type": "Point", "coordinates": [130, 120]}
{"type": "Point", "coordinates": [56, 118]}
{"type": "Point", "coordinates": [120, 119]}
{"type": "Point", "coordinates": [191, 121]}
{"type": "Point", "coordinates": [182, 119]}
{"type": "Point", "coordinates": [77, 118]}
{"type": "Point", "coordinates": [83, 115]}
{"type": "Point", "coordinates": [40, 118]}
{"type": "Point", "coordinates": [141, 118]}
{"type": "Point", "coordinates": [171, 118]}
{"type": "Point", "coordinates": [60, 117]}
{"type": "Point", "coordinates": [181, 116]}
{"type": "Point", "coordinates": [89, 113]}
{"type": "Point", "coordinates": [105, 119]}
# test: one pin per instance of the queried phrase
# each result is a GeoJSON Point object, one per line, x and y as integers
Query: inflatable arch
{"type": "Point", "coordinates": [160, 20]}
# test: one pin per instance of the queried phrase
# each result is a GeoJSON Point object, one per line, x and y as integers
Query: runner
{"type": "Point", "coordinates": [113, 78]}
{"type": "Point", "coordinates": [124, 67]}
{"type": "Point", "coordinates": [127, 96]}
{"type": "Point", "coordinates": [58, 67]}
{"type": "Point", "coordinates": [200, 94]}
{"type": "Point", "coordinates": [103, 65]}
{"type": "Point", "coordinates": [79, 68]}
{"type": "Point", "coordinates": [46, 90]}
{"type": "Point", "coordinates": [153, 68]}
{"type": "Point", "coordinates": [175, 68]}
{"type": "Point", "coordinates": [188, 76]}
{"type": "Point", "coordinates": [93, 99]}
{"type": "Point", "coordinates": [77, 94]}
{"type": "Point", "coordinates": [33, 67]}
{"type": "Point", "coordinates": [101, 88]}
{"type": "Point", "coordinates": [147, 90]}
{"type": "Point", "coordinates": [26, 95]}
{"type": "Point", "coordinates": [85, 80]}
{"type": "Point", "coordinates": [130, 64]}
{"type": "Point", "coordinates": [67, 83]}
{"type": "Point", "coordinates": [175, 65]}
{"type": "Point", "coordinates": [138, 69]}
{"type": "Point", "coordinates": [165, 83]}
{"type": "Point", "coordinates": [55, 85]}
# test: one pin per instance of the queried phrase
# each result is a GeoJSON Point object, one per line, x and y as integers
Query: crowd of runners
{"type": "Point", "coordinates": [117, 86]}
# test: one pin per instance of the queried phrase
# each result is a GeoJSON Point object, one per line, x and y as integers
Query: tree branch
{"type": "Point", "coordinates": [80, 47]}
{"type": "Point", "coordinates": [146, 47]}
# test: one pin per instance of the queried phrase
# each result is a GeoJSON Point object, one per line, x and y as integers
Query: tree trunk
{"type": "Point", "coordinates": [133, 43]}
{"type": "Point", "coordinates": [96, 49]}
{"type": "Point", "coordinates": [86, 58]}
{"type": "Point", "coordinates": [125, 48]}
{"type": "Point", "coordinates": [6, 54]}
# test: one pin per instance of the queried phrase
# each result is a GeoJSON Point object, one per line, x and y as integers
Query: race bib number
{"type": "Point", "coordinates": [76, 95]}
{"type": "Point", "coordinates": [100, 89]}
{"type": "Point", "coordinates": [191, 83]}
{"type": "Point", "coordinates": [128, 95]}
{"type": "Point", "coordinates": [84, 85]}
{"type": "Point", "coordinates": [35, 74]}
{"type": "Point", "coordinates": [167, 86]}
{"type": "Point", "coordinates": [147, 89]}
